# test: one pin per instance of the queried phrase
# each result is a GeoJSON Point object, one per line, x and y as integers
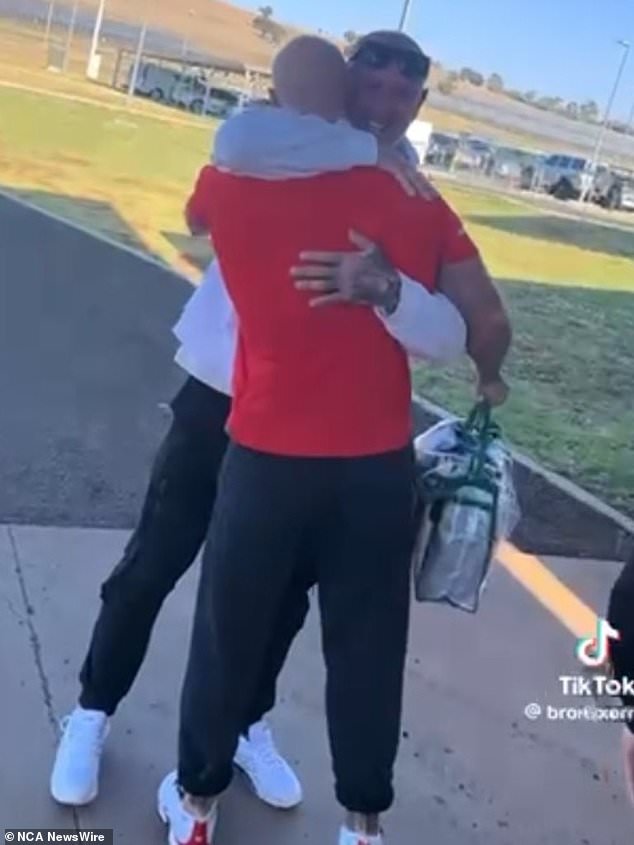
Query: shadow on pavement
{"type": "Point", "coordinates": [91, 214]}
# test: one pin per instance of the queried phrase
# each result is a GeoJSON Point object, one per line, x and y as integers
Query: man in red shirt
{"type": "Point", "coordinates": [285, 344]}
{"type": "Point", "coordinates": [320, 458]}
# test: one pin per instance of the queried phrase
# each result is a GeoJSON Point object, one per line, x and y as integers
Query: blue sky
{"type": "Point", "coordinates": [559, 47]}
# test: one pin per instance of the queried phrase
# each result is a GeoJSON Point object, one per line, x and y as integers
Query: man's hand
{"type": "Point", "coordinates": [495, 391]}
{"type": "Point", "coordinates": [412, 181]}
{"type": "Point", "coordinates": [360, 278]}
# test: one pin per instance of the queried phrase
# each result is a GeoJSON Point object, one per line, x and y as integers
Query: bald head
{"type": "Point", "coordinates": [309, 76]}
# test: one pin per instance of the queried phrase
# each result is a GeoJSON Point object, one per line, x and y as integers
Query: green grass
{"type": "Point", "coordinates": [569, 284]}
{"type": "Point", "coordinates": [519, 241]}
{"type": "Point", "coordinates": [130, 171]}
{"type": "Point", "coordinates": [572, 377]}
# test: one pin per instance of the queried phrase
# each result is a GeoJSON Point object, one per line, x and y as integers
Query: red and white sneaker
{"type": "Point", "coordinates": [185, 826]}
{"type": "Point", "coordinates": [353, 837]}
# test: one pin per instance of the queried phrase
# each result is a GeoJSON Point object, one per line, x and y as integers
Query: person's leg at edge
{"type": "Point", "coordinates": [173, 524]}
{"type": "Point", "coordinates": [262, 507]}
{"type": "Point", "coordinates": [621, 617]}
{"type": "Point", "coordinates": [364, 599]}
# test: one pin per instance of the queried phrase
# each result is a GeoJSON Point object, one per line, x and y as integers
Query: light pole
{"type": "Point", "coordinates": [599, 144]}
{"type": "Point", "coordinates": [96, 35]}
{"type": "Point", "coordinates": [69, 35]}
{"type": "Point", "coordinates": [404, 14]}
{"type": "Point", "coordinates": [49, 20]}
{"type": "Point", "coordinates": [137, 59]}
{"type": "Point", "coordinates": [185, 48]}
{"type": "Point", "coordinates": [630, 122]}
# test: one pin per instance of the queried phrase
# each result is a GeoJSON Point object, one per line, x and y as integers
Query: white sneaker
{"type": "Point", "coordinates": [75, 776]}
{"type": "Point", "coordinates": [352, 837]}
{"type": "Point", "coordinates": [185, 827]}
{"type": "Point", "coordinates": [272, 778]}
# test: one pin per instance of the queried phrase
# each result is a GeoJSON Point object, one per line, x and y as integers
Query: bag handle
{"type": "Point", "coordinates": [480, 425]}
{"type": "Point", "coordinates": [479, 418]}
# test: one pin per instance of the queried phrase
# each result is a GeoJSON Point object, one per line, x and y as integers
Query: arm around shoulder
{"type": "Point", "coordinates": [275, 143]}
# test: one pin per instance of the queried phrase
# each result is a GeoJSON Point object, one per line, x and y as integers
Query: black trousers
{"type": "Point", "coordinates": [173, 526]}
{"type": "Point", "coordinates": [621, 617]}
{"type": "Point", "coordinates": [354, 516]}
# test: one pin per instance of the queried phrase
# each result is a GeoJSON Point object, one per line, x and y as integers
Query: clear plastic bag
{"type": "Point", "coordinates": [508, 508]}
{"type": "Point", "coordinates": [466, 504]}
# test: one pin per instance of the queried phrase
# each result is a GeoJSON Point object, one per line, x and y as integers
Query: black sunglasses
{"type": "Point", "coordinates": [374, 55]}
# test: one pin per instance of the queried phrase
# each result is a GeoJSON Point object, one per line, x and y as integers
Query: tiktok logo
{"type": "Point", "coordinates": [595, 651]}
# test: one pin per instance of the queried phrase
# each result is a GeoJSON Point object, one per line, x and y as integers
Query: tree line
{"type": "Point", "coordinates": [587, 110]}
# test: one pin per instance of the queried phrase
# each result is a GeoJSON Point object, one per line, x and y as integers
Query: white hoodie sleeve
{"type": "Point", "coordinates": [275, 143]}
{"type": "Point", "coordinates": [427, 325]}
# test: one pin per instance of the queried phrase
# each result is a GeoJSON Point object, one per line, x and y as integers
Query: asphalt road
{"type": "Point", "coordinates": [85, 360]}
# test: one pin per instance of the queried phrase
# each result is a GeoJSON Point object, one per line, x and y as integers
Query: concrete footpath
{"type": "Point", "coordinates": [473, 769]}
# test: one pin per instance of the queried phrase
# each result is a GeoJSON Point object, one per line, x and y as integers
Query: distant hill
{"type": "Point", "coordinates": [210, 26]}
{"type": "Point", "coordinates": [224, 30]}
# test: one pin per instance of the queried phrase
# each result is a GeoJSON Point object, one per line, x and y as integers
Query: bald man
{"type": "Point", "coordinates": [320, 460]}
{"type": "Point", "coordinates": [310, 79]}
{"type": "Point", "coordinates": [182, 489]}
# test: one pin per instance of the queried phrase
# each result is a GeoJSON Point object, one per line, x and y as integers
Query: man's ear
{"type": "Point", "coordinates": [423, 98]}
{"type": "Point", "coordinates": [273, 97]}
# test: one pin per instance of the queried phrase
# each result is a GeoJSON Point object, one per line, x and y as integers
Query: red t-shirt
{"type": "Point", "coordinates": [318, 382]}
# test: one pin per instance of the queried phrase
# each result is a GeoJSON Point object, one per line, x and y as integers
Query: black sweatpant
{"type": "Point", "coordinates": [173, 525]}
{"type": "Point", "coordinates": [621, 617]}
{"type": "Point", "coordinates": [355, 517]}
